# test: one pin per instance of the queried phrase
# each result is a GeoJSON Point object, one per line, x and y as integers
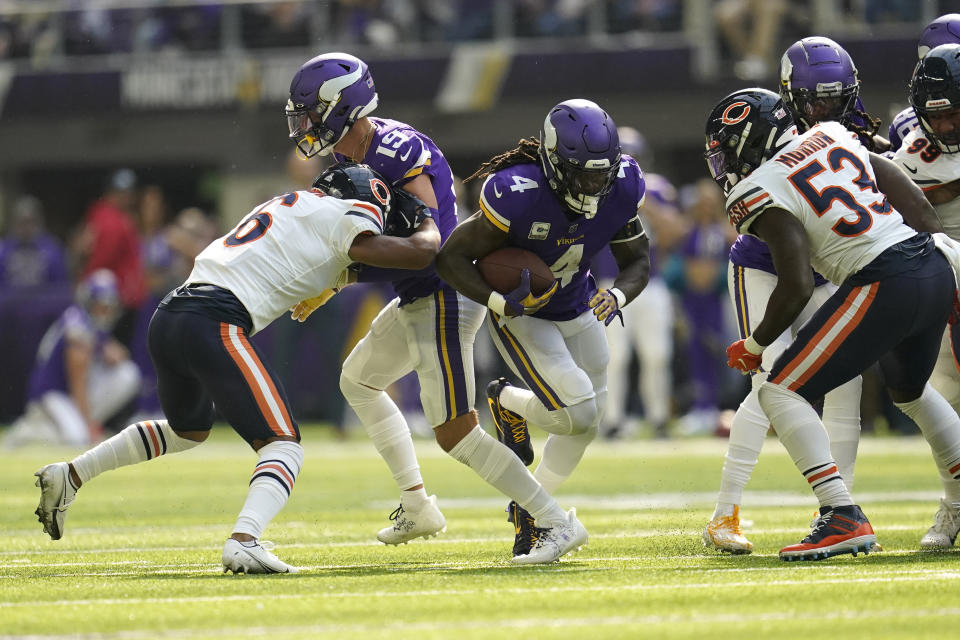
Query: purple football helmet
{"type": "Point", "coordinates": [660, 191]}
{"type": "Point", "coordinates": [818, 81]}
{"type": "Point", "coordinates": [99, 296]}
{"type": "Point", "coordinates": [327, 95]}
{"type": "Point", "coordinates": [902, 124]}
{"type": "Point", "coordinates": [943, 30]}
{"type": "Point", "coordinates": [580, 154]}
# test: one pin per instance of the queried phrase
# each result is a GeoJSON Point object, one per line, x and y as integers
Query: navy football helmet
{"type": "Point", "coordinates": [354, 181]}
{"type": "Point", "coordinates": [743, 131]}
{"type": "Point", "coordinates": [579, 154]}
{"type": "Point", "coordinates": [328, 95]}
{"type": "Point", "coordinates": [935, 91]}
{"type": "Point", "coordinates": [943, 30]}
{"type": "Point", "coordinates": [818, 81]}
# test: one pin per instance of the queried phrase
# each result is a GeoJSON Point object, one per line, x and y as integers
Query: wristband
{"type": "Point", "coordinates": [753, 346]}
{"type": "Point", "coordinates": [497, 303]}
{"type": "Point", "coordinates": [619, 295]}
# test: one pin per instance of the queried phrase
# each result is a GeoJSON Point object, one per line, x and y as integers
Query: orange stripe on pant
{"type": "Point", "coordinates": [252, 383]}
{"type": "Point", "coordinates": [273, 389]}
{"type": "Point", "coordinates": [831, 323]}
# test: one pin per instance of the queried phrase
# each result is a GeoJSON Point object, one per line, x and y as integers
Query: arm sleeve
{"type": "Point", "coordinates": [360, 217]}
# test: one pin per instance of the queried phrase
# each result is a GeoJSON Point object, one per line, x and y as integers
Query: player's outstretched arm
{"type": "Point", "coordinates": [414, 252]}
{"type": "Point", "coordinates": [790, 250]}
{"type": "Point", "coordinates": [905, 196]}
{"type": "Point", "coordinates": [473, 238]}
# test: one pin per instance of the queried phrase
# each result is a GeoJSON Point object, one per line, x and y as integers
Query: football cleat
{"type": "Point", "coordinates": [56, 495]}
{"type": "Point", "coordinates": [946, 524]}
{"type": "Point", "coordinates": [252, 557]}
{"type": "Point", "coordinates": [723, 533]}
{"type": "Point", "coordinates": [511, 428]}
{"type": "Point", "coordinates": [526, 531]}
{"type": "Point", "coordinates": [556, 541]}
{"type": "Point", "coordinates": [426, 522]}
{"type": "Point", "coordinates": [838, 530]}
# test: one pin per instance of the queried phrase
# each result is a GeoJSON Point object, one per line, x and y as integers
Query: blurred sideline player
{"type": "Point", "coordinates": [564, 197]}
{"type": "Point", "coordinates": [648, 328]}
{"type": "Point", "coordinates": [428, 328]}
{"type": "Point", "coordinates": [287, 249]}
{"type": "Point", "coordinates": [818, 81]}
{"type": "Point", "coordinates": [822, 198]}
{"type": "Point", "coordinates": [930, 156]}
{"type": "Point", "coordinates": [943, 30]}
{"type": "Point", "coordinates": [82, 375]}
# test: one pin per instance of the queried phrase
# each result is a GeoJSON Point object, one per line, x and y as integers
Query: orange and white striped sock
{"type": "Point", "coordinates": [138, 442]}
{"type": "Point", "coordinates": [270, 486]}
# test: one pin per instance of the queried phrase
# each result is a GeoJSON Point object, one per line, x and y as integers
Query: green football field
{"type": "Point", "coordinates": [141, 554]}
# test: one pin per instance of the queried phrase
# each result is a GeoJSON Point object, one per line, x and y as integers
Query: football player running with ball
{"type": "Point", "coordinates": [289, 248]}
{"type": "Point", "coordinates": [428, 328]}
{"type": "Point", "coordinates": [930, 156]}
{"type": "Point", "coordinates": [822, 199]}
{"type": "Point", "coordinates": [818, 83]}
{"type": "Point", "coordinates": [563, 197]}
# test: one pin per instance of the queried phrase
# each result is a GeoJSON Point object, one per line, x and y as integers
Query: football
{"type": "Point", "coordinates": [501, 269]}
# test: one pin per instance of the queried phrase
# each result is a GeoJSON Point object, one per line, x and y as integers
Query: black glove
{"type": "Point", "coordinates": [406, 213]}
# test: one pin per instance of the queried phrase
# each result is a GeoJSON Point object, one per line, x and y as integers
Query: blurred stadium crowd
{"type": "Point", "coordinates": [133, 229]}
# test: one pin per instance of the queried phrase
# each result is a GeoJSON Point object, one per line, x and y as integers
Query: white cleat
{"type": "Point", "coordinates": [723, 533]}
{"type": "Point", "coordinates": [56, 495]}
{"type": "Point", "coordinates": [946, 525]}
{"type": "Point", "coordinates": [252, 557]}
{"type": "Point", "coordinates": [426, 522]}
{"type": "Point", "coordinates": [556, 541]}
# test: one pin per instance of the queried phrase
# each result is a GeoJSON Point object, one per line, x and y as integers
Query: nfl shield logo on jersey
{"type": "Point", "coordinates": [539, 231]}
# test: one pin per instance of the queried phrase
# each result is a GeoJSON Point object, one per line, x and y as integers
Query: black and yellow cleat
{"type": "Point", "coordinates": [525, 531]}
{"type": "Point", "coordinates": [511, 428]}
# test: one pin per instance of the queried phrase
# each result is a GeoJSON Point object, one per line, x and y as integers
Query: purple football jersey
{"type": "Point", "coordinates": [50, 371]}
{"type": "Point", "coordinates": [519, 201]}
{"type": "Point", "coordinates": [753, 253]}
{"type": "Point", "coordinates": [400, 153]}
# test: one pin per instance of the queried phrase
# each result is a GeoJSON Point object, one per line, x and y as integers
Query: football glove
{"type": "Point", "coordinates": [406, 213]}
{"type": "Point", "coordinates": [606, 306]}
{"type": "Point", "coordinates": [302, 310]}
{"type": "Point", "coordinates": [521, 301]}
{"type": "Point", "coordinates": [742, 355]}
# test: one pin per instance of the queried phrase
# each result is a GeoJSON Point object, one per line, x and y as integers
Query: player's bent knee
{"type": "Point", "coordinates": [451, 432]}
{"type": "Point", "coordinates": [196, 436]}
{"type": "Point", "coordinates": [582, 417]}
{"type": "Point", "coordinates": [355, 391]}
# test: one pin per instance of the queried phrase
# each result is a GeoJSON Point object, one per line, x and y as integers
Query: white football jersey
{"type": "Point", "coordinates": [929, 168]}
{"type": "Point", "coordinates": [286, 250]}
{"type": "Point", "coordinates": [824, 178]}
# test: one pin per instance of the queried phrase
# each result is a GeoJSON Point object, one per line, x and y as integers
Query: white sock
{"type": "Point", "coordinates": [501, 468]}
{"type": "Point", "coordinates": [138, 442]}
{"type": "Point", "coordinates": [388, 430]}
{"type": "Point", "coordinates": [748, 432]}
{"type": "Point", "coordinates": [528, 405]}
{"type": "Point", "coordinates": [561, 454]}
{"type": "Point", "coordinates": [940, 425]}
{"type": "Point", "coordinates": [841, 418]}
{"type": "Point", "coordinates": [803, 436]}
{"type": "Point", "coordinates": [270, 486]}
{"type": "Point", "coordinates": [413, 499]}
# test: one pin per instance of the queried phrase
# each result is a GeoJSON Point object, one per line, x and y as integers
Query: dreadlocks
{"type": "Point", "coordinates": [866, 131]}
{"type": "Point", "coordinates": [527, 151]}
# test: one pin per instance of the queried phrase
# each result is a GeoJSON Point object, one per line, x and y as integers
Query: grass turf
{"type": "Point", "coordinates": [140, 556]}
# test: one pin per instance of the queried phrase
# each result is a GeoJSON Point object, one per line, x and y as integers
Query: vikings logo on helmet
{"type": "Point", "coordinates": [328, 95]}
{"type": "Point", "coordinates": [943, 30]}
{"type": "Point", "coordinates": [579, 154]}
{"type": "Point", "coordinates": [818, 81]}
